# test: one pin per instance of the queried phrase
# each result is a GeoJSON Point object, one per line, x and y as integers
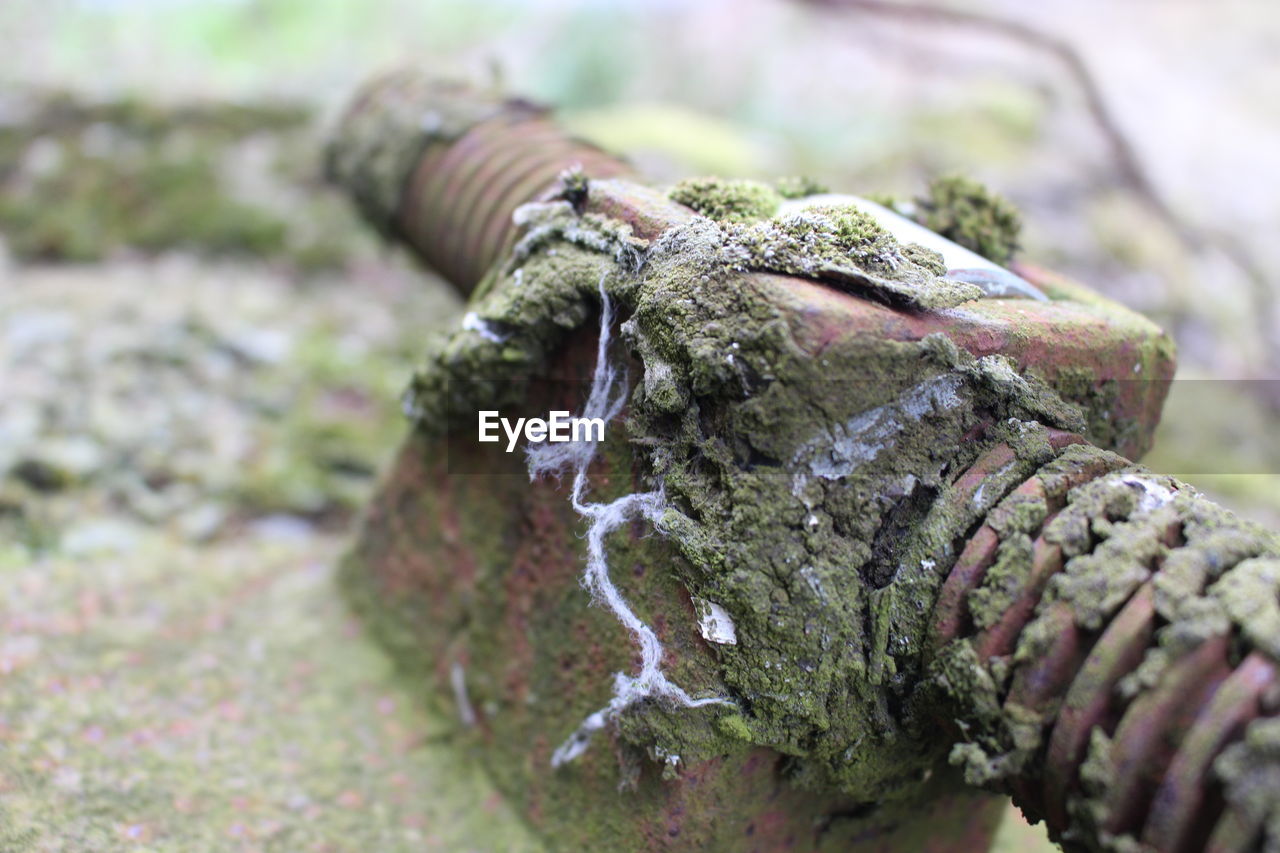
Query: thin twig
{"type": "Point", "coordinates": [1124, 158]}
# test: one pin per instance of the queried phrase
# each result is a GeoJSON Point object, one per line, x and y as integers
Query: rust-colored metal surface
{"type": "Point", "coordinates": [456, 210]}
{"type": "Point", "coordinates": [536, 659]}
{"type": "Point", "coordinates": [442, 166]}
{"type": "Point", "coordinates": [531, 658]}
{"type": "Point", "coordinates": [1165, 741]}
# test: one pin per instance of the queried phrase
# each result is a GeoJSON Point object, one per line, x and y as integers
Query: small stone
{"type": "Point", "coordinates": [202, 522]}
{"type": "Point", "coordinates": [102, 536]}
{"type": "Point", "coordinates": [282, 528]}
{"type": "Point", "coordinates": [264, 346]}
{"type": "Point", "coordinates": [715, 623]}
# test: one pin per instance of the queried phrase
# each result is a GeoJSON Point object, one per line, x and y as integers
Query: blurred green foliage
{"type": "Point", "coordinates": [82, 179]}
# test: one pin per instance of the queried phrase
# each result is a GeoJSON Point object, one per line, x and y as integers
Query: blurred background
{"type": "Point", "coordinates": [201, 348]}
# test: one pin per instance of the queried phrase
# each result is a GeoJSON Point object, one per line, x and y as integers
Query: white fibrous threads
{"type": "Point", "coordinates": [575, 457]}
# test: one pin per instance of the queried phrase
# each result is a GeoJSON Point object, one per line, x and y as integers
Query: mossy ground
{"type": "Point", "coordinates": [129, 175]}
{"type": "Point", "coordinates": [171, 697]}
{"type": "Point", "coordinates": [191, 397]}
{"type": "Point", "coordinates": [184, 440]}
{"type": "Point", "coordinates": [184, 443]}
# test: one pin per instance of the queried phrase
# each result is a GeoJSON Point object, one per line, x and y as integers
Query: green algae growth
{"type": "Point", "coordinates": [812, 496]}
{"type": "Point", "coordinates": [967, 212]}
{"type": "Point", "coordinates": [725, 200]}
{"type": "Point", "coordinates": [180, 698]}
{"type": "Point", "coordinates": [779, 470]}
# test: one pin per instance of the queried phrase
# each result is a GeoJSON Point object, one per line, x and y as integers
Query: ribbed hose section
{"type": "Point", "coordinates": [1121, 636]}
{"type": "Point", "coordinates": [442, 167]}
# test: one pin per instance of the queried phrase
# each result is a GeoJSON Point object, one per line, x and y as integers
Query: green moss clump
{"type": "Point", "coordinates": [856, 232]}
{"type": "Point", "coordinates": [930, 259]}
{"type": "Point", "coordinates": [771, 464]}
{"type": "Point", "coordinates": [1003, 581]}
{"type": "Point", "coordinates": [840, 244]}
{"type": "Point", "coordinates": [727, 200]}
{"type": "Point", "coordinates": [828, 234]}
{"type": "Point", "coordinates": [799, 186]}
{"type": "Point", "coordinates": [848, 248]}
{"type": "Point", "coordinates": [530, 306]}
{"type": "Point", "coordinates": [966, 212]}
{"type": "Point", "coordinates": [1250, 771]}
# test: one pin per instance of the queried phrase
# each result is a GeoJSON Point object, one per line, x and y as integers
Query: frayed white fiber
{"type": "Point", "coordinates": [576, 456]}
{"type": "Point", "coordinates": [558, 457]}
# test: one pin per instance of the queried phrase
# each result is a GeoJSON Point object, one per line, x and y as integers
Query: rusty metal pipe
{"type": "Point", "coordinates": [447, 187]}
{"type": "Point", "coordinates": [441, 167]}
